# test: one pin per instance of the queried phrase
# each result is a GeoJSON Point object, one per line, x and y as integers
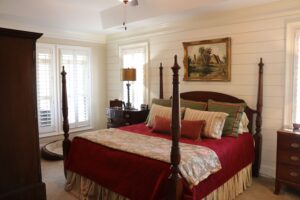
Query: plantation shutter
{"type": "Point", "coordinates": [76, 64]}
{"type": "Point", "coordinates": [45, 89]}
{"type": "Point", "coordinates": [296, 110]}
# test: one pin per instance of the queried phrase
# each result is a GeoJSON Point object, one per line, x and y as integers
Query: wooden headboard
{"type": "Point", "coordinates": [204, 96]}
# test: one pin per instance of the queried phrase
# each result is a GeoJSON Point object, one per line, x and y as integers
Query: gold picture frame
{"type": "Point", "coordinates": [207, 60]}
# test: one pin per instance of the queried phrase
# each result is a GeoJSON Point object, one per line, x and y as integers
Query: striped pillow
{"type": "Point", "coordinates": [214, 121]}
{"type": "Point", "coordinates": [235, 111]}
{"type": "Point", "coordinates": [157, 110]}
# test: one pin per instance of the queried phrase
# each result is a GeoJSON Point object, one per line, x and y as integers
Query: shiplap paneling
{"type": "Point", "coordinates": [251, 39]}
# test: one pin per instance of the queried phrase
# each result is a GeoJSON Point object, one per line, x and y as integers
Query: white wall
{"type": "Point", "coordinates": [255, 32]}
{"type": "Point", "coordinates": [98, 55]}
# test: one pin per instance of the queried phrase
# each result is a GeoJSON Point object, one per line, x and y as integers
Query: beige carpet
{"type": "Point", "coordinates": [261, 189]}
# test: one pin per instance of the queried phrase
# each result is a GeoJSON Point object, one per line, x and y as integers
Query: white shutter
{"type": "Point", "coordinates": [45, 89]}
{"type": "Point", "coordinates": [77, 66]}
{"type": "Point", "coordinates": [296, 110]}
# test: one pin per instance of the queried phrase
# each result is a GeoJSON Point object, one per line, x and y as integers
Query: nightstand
{"type": "Point", "coordinates": [121, 117]}
{"type": "Point", "coordinates": [288, 159]}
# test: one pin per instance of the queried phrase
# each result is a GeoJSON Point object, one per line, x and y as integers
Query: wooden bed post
{"type": "Point", "coordinates": [258, 135]}
{"type": "Point", "coordinates": [161, 87]}
{"type": "Point", "coordinates": [66, 142]}
{"type": "Point", "coordinates": [175, 179]}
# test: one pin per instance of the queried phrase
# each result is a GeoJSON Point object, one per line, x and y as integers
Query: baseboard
{"type": "Point", "coordinates": [31, 192]}
{"type": "Point", "coordinates": [267, 171]}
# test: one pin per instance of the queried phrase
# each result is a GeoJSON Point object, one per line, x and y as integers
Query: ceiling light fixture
{"type": "Point", "coordinates": [132, 3]}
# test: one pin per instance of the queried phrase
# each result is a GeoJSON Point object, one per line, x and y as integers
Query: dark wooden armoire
{"type": "Point", "coordinates": [20, 167]}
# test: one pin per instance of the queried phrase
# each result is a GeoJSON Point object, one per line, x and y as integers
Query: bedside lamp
{"type": "Point", "coordinates": [128, 74]}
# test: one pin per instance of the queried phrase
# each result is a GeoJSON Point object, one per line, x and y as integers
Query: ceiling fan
{"type": "Point", "coordinates": [131, 2]}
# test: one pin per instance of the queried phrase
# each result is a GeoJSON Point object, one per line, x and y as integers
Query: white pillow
{"type": "Point", "coordinates": [214, 121]}
{"type": "Point", "coordinates": [157, 110]}
{"type": "Point", "coordinates": [243, 125]}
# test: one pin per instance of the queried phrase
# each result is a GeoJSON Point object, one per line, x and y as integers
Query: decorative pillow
{"type": "Point", "coordinates": [214, 121]}
{"type": "Point", "coordinates": [243, 126]}
{"type": "Point", "coordinates": [197, 105]}
{"type": "Point", "coordinates": [192, 129]}
{"type": "Point", "coordinates": [162, 102]}
{"type": "Point", "coordinates": [234, 110]}
{"type": "Point", "coordinates": [189, 129]}
{"type": "Point", "coordinates": [162, 125]}
{"type": "Point", "coordinates": [157, 110]}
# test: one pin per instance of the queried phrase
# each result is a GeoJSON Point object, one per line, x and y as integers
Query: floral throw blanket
{"type": "Point", "coordinates": [197, 162]}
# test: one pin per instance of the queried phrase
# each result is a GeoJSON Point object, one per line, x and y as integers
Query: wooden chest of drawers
{"type": "Point", "coordinates": [123, 117]}
{"type": "Point", "coordinates": [288, 159]}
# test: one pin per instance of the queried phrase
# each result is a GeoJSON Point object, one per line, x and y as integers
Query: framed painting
{"type": "Point", "coordinates": [207, 60]}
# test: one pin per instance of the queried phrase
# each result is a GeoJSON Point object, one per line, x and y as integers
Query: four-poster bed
{"type": "Point", "coordinates": [76, 159]}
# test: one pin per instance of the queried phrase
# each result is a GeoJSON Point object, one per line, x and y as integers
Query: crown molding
{"type": "Point", "coordinates": [99, 38]}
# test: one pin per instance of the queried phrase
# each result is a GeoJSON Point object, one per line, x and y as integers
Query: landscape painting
{"type": "Point", "coordinates": [207, 60]}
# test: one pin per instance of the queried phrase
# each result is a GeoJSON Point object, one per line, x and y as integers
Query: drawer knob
{"type": "Point", "coordinates": [294, 158]}
{"type": "Point", "coordinates": [295, 145]}
{"type": "Point", "coordinates": [294, 174]}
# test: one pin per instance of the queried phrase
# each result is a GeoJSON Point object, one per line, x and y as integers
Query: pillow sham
{"type": "Point", "coordinates": [162, 102]}
{"type": "Point", "coordinates": [197, 105]}
{"type": "Point", "coordinates": [214, 121]}
{"type": "Point", "coordinates": [161, 125]}
{"type": "Point", "coordinates": [234, 110]}
{"type": "Point", "coordinates": [243, 126]}
{"type": "Point", "coordinates": [157, 110]}
{"type": "Point", "coordinates": [189, 129]}
{"type": "Point", "coordinates": [192, 129]}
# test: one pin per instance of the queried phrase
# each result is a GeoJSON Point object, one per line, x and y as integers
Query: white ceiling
{"type": "Point", "coordinates": [106, 16]}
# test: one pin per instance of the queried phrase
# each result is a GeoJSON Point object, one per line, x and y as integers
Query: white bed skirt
{"type": "Point", "coordinates": [85, 189]}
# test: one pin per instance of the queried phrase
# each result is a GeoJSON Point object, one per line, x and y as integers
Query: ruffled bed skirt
{"type": "Point", "coordinates": [85, 189]}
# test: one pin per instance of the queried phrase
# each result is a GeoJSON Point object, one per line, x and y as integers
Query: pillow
{"type": "Point", "coordinates": [157, 110]}
{"type": "Point", "coordinates": [243, 126]}
{"type": "Point", "coordinates": [214, 121]}
{"type": "Point", "coordinates": [234, 110]}
{"type": "Point", "coordinates": [162, 102]}
{"type": "Point", "coordinates": [192, 129]}
{"type": "Point", "coordinates": [189, 129]}
{"type": "Point", "coordinates": [197, 105]}
{"type": "Point", "coordinates": [162, 125]}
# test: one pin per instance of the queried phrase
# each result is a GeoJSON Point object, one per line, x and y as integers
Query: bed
{"type": "Point", "coordinates": [96, 171]}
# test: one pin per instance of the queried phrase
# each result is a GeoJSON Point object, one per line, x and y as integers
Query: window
{"type": "Point", "coordinates": [77, 65]}
{"type": "Point", "coordinates": [136, 56]}
{"type": "Point", "coordinates": [46, 88]}
{"type": "Point", "coordinates": [296, 104]}
{"type": "Point", "coordinates": [292, 75]}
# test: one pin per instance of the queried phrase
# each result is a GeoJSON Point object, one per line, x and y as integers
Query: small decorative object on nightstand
{"type": "Point", "coordinates": [288, 159]}
{"type": "Point", "coordinates": [124, 117]}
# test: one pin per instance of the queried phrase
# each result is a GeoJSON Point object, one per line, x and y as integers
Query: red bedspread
{"type": "Point", "coordinates": [141, 178]}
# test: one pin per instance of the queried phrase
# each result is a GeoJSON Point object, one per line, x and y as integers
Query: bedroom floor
{"type": "Point", "coordinates": [262, 188]}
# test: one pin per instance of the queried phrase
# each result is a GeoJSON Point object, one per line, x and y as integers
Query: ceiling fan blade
{"type": "Point", "coordinates": [134, 3]}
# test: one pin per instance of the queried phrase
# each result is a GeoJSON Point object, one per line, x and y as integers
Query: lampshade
{"type": "Point", "coordinates": [128, 74]}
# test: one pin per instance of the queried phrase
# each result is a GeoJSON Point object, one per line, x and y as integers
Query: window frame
{"type": "Point", "coordinates": [130, 47]}
{"type": "Point", "coordinates": [292, 31]}
{"type": "Point", "coordinates": [58, 85]}
{"type": "Point", "coordinates": [54, 72]}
